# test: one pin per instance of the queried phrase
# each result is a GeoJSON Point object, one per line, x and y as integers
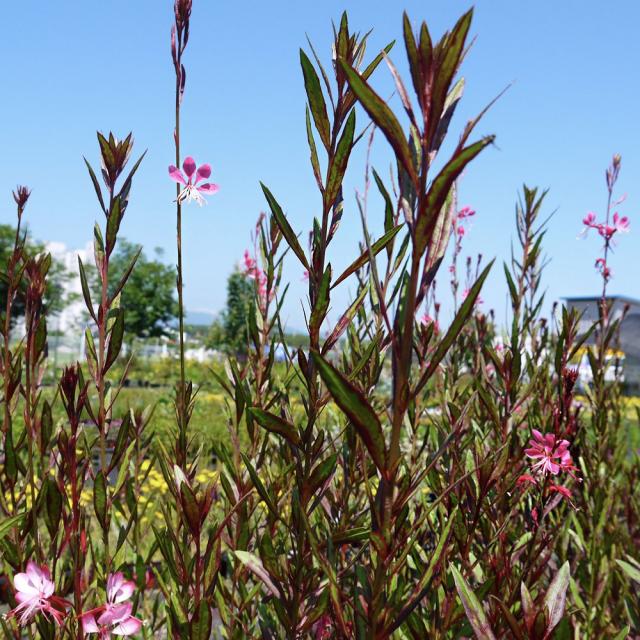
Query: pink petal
{"type": "Point", "coordinates": [23, 584]}
{"type": "Point", "coordinates": [208, 187]}
{"type": "Point", "coordinates": [89, 624]}
{"type": "Point", "coordinates": [204, 171]}
{"type": "Point", "coordinates": [189, 166]}
{"type": "Point", "coordinates": [176, 175]}
{"type": "Point", "coordinates": [537, 435]}
{"type": "Point", "coordinates": [127, 627]}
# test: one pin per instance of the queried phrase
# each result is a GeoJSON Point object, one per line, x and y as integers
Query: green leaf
{"type": "Point", "coordinates": [316, 99]}
{"type": "Point", "coordinates": [113, 224]}
{"type": "Point", "coordinates": [127, 273]}
{"type": "Point", "coordinates": [86, 292]}
{"type": "Point", "coordinates": [275, 424]}
{"type": "Point", "coordinates": [338, 164]}
{"type": "Point", "coordinates": [630, 570]}
{"type": "Point", "coordinates": [376, 248]}
{"type": "Point", "coordinates": [412, 55]}
{"type": "Point", "coordinates": [96, 185]}
{"type": "Point", "coordinates": [622, 634]}
{"type": "Point", "coordinates": [320, 474]}
{"type": "Point", "coordinates": [254, 564]}
{"type": "Point", "coordinates": [388, 205]}
{"type": "Point", "coordinates": [53, 506]}
{"type": "Point", "coordinates": [8, 524]}
{"type": "Point", "coordinates": [448, 67]}
{"type": "Point", "coordinates": [321, 305]}
{"type": "Point", "coordinates": [455, 328]}
{"type": "Point", "coordinates": [556, 596]}
{"type": "Point", "coordinates": [344, 321]}
{"type": "Point", "coordinates": [315, 163]}
{"type": "Point", "coordinates": [115, 339]}
{"type": "Point", "coordinates": [285, 227]}
{"type": "Point", "coordinates": [202, 622]}
{"type": "Point", "coordinates": [100, 499]}
{"type": "Point", "coordinates": [353, 403]}
{"type": "Point", "coordinates": [441, 186]}
{"type": "Point", "coordinates": [260, 488]}
{"type": "Point", "coordinates": [473, 608]}
{"type": "Point", "coordinates": [383, 117]}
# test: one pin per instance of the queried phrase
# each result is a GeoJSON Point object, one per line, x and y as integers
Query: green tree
{"type": "Point", "coordinates": [55, 297]}
{"type": "Point", "coordinates": [148, 298]}
{"type": "Point", "coordinates": [230, 331]}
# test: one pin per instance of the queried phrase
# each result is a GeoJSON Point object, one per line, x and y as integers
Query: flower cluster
{"type": "Point", "coordinates": [619, 224]}
{"type": "Point", "coordinates": [550, 456]}
{"type": "Point", "coordinates": [611, 225]}
{"type": "Point", "coordinates": [35, 595]}
{"type": "Point", "coordinates": [191, 179]}
{"type": "Point", "coordinates": [251, 269]}
{"type": "Point", "coordinates": [114, 617]}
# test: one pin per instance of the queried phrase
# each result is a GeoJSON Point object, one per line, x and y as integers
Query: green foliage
{"type": "Point", "coordinates": [55, 298]}
{"type": "Point", "coordinates": [149, 298]}
{"type": "Point", "coordinates": [230, 332]}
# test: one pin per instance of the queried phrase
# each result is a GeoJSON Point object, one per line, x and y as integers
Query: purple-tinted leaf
{"type": "Point", "coordinates": [475, 613]}
{"type": "Point", "coordinates": [353, 403]}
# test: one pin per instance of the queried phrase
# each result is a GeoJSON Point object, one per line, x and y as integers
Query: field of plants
{"type": "Point", "coordinates": [403, 477]}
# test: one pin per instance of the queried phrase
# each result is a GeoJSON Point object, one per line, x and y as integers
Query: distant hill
{"type": "Point", "coordinates": [198, 318]}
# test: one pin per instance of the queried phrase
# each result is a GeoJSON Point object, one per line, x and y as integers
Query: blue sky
{"type": "Point", "coordinates": [73, 67]}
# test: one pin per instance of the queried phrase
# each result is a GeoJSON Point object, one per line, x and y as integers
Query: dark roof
{"type": "Point", "coordinates": [625, 299]}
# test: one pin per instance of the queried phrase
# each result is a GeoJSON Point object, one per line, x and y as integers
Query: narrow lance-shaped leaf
{"type": "Point", "coordinates": [86, 292]}
{"type": "Point", "coordinates": [254, 564]}
{"type": "Point", "coordinates": [376, 248]}
{"type": "Point", "coordinates": [115, 339]}
{"type": "Point", "coordinates": [338, 165]}
{"type": "Point", "coordinates": [315, 163]}
{"type": "Point", "coordinates": [450, 61]}
{"type": "Point", "coordinates": [344, 321]}
{"type": "Point", "coordinates": [321, 305]}
{"type": "Point", "coordinates": [388, 205]}
{"type": "Point", "coordinates": [8, 524]}
{"type": "Point", "coordinates": [441, 186]}
{"type": "Point", "coordinates": [556, 596]}
{"type": "Point", "coordinates": [275, 424]}
{"type": "Point", "coordinates": [353, 403]}
{"type": "Point", "coordinates": [382, 115]}
{"type": "Point", "coordinates": [456, 326]}
{"type": "Point", "coordinates": [316, 99]}
{"type": "Point", "coordinates": [473, 608]}
{"type": "Point", "coordinates": [285, 227]}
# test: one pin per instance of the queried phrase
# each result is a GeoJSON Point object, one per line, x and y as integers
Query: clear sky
{"type": "Point", "coordinates": [76, 66]}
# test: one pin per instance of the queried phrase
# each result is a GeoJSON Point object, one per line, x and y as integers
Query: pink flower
{"type": "Point", "coordinates": [34, 594]}
{"type": "Point", "coordinates": [552, 455]}
{"type": "Point", "coordinates": [114, 617]}
{"type": "Point", "coordinates": [526, 479]}
{"type": "Point", "coordinates": [426, 320]}
{"type": "Point", "coordinates": [602, 267]}
{"type": "Point", "coordinates": [621, 224]}
{"type": "Point", "coordinates": [466, 212]}
{"type": "Point", "coordinates": [249, 262]}
{"type": "Point", "coordinates": [192, 189]}
{"type": "Point", "coordinates": [589, 220]}
{"type": "Point", "coordinates": [562, 490]}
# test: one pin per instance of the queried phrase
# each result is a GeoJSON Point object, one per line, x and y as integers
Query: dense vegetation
{"type": "Point", "coordinates": [395, 477]}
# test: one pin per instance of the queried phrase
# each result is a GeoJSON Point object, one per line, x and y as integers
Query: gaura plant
{"type": "Point", "coordinates": [397, 477]}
